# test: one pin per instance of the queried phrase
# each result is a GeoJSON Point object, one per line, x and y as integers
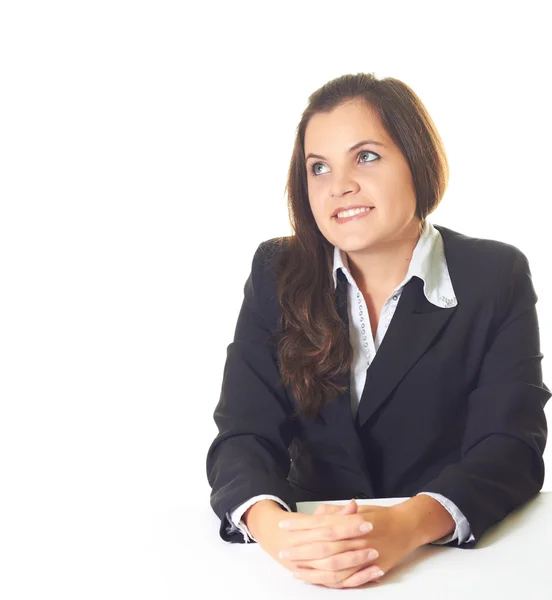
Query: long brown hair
{"type": "Point", "coordinates": [313, 346]}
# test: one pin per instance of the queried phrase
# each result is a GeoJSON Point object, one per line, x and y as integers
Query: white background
{"type": "Point", "coordinates": [144, 148]}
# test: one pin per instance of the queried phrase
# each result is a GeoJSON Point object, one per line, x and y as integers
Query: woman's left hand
{"type": "Point", "coordinates": [329, 562]}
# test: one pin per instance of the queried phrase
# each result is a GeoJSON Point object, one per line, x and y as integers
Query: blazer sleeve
{"type": "Point", "coordinates": [501, 465]}
{"type": "Point", "coordinates": [250, 456]}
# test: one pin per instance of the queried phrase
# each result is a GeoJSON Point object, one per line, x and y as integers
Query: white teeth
{"type": "Point", "coordinates": [352, 212]}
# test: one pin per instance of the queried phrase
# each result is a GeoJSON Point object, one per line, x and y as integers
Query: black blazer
{"type": "Point", "coordinates": [453, 400]}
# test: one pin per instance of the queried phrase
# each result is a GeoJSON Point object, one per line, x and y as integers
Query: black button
{"type": "Point", "coordinates": [361, 497]}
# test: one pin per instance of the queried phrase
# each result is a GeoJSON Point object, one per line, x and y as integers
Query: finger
{"type": "Point", "coordinates": [327, 578]}
{"type": "Point", "coordinates": [326, 509]}
{"type": "Point", "coordinates": [340, 530]}
{"type": "Point", "coordinates": [349, 509]}
{"type": "Point", "coordinates": [370, 574]}
{"type": "Point", "coordinates": [313, 522]}
{"type": "Point", "coordinates": [343, 560]}
{"type": "Point", "coordinates": [331, 509]}
{"type": "Point", "coordinates": [320, 550]}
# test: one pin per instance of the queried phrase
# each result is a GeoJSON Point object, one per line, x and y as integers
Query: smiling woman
{"type": "Point", "coordinates": [376, 355]}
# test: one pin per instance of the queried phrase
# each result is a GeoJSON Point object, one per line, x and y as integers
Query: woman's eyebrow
{"type": "Point", "coordinates": [351, 149]}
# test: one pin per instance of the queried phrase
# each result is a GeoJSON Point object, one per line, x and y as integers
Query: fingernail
{"type": "Point", "coordinates": [297, 574]}
{"type": "Point", "coordinates": [366, 527]}
{"type": "Point", "coordinates": [283, 524]}
{"type": "Point", "coordinates": [373, 554]}
{"type": "Point", "coordinates": [379, 573]}
{"type": "Point", "coordinates": [283, 554]}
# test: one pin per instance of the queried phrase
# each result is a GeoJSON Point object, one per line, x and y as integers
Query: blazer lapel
{"type": "Point", "coordinates": [414, 326]}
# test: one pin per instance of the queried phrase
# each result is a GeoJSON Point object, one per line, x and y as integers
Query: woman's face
{"type": "Point", "coordinates": [371, 174]}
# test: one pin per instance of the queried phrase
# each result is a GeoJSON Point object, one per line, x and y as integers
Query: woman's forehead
{"type": "Point", "coordinates": [343, 128]}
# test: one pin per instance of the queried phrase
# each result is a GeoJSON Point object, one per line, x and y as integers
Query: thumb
{"type": "Point", "coordinates": [349, 509]}
{"type": "Point", "coordinates": [326, 509]}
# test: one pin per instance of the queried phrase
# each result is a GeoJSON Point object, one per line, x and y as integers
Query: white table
{"type": "Point", "coordinates": [512, 561]}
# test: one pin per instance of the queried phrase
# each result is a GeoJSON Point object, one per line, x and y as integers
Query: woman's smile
{"type": "Point", "coordinates": [359, 215]}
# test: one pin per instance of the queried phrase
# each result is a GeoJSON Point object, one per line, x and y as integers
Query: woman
{"type": "Point", "coordinates": [376, 355]}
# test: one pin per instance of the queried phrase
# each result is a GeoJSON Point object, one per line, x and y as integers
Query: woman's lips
{"type": "Point", "coordinates": [354, 217]}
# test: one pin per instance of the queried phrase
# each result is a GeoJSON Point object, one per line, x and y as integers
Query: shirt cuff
{"type": "Point", "coordinates": [462, 532]}
{"type": "Point", "coordinates": [236, 524]}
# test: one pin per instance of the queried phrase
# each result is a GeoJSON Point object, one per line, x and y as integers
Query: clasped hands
{"type": "Point", "coordinates": [346, 546]}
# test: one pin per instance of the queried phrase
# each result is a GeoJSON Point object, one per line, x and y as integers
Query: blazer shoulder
{"type": "Point", "coordinates": [483, 253]}
{"type": "Point", "coordinates": [269, 248]}
{"type": "Point", "coordinates": [262, 282]}
{"type": "Point", "coordinates": [267, 254]}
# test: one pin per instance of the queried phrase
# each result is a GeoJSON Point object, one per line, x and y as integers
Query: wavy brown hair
{"type": "Point", "coordinates": [313, 345]}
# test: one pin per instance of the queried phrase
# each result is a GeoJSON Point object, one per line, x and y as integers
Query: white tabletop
{"type": "Point", "coordinates": [511, 561]}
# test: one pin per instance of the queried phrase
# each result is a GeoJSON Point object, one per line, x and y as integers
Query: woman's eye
{"type": "Point", "coordinates": [313, 168]}
{"type": "Point", "coordinates": [315, 165]}
{"type": "Point", "coordinates": [368, 152]}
